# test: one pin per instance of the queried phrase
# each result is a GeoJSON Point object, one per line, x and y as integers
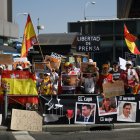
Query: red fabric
{"type": "Point", "coordinates": [21, 100]}
{"type": "Point", "coordinates": [130, 83]}
{"type": "Point", "coordinates": [108, 78]}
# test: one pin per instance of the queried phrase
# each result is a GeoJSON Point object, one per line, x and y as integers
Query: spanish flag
{"type": "Point", "coordinates": [130, 41]}
{"type": "Point", "coordinates": [19, 82]}
{"type": "Point", "coordinates": [29, 37]}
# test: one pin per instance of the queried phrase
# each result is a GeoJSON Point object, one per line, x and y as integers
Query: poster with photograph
{"type": "Point", "coordinates": [69, 80]}
{"type": "Point", "coordinates": [88, 67]}
{"type": "Point", "coordinates": [106, 106]}
{"type": "Point", "coordinates": [85, 113]}
{"type": "Point", "coordinates": [41, 66]}
{"type": "Point", "coordinates": [126, 111]}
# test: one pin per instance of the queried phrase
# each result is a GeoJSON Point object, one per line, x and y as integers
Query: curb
{"type": "Point", "coordinates": [126, 125]}
{"type": "Point", "coordinates": [75, 127]}
{"type": "Point", "coordinates": [3, 128]}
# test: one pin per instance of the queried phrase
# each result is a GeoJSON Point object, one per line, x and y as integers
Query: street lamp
{"type": "Point", "coordinates": [39, 27]}
{"type": "Point", "coordinates": [18, 14]}
{"type": "Point", "coordinates": [87, 3]}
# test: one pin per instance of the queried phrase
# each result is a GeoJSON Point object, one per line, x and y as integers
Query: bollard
{"type": "Point", "coordinates": [5, 104]}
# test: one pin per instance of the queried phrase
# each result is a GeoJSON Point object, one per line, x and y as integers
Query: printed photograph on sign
{"type": "Point", "coordinates": [106, 106]}
{"type": "Point", "coordinates": [88, 67]}
{"type": "Point", "coordinates": [85, 113]}
{"type": "Point", "coordinates": [126, 111]}
{"type": "Point", "coordinates": [41, 66]}
{"type": "Point", "coordinates": [69, 80]}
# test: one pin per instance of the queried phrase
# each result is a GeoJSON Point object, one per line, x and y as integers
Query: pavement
{"type": "Point", "coordinates": [82, 127]}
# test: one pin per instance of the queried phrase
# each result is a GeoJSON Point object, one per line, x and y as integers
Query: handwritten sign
{"type": "Point", "coordinates": [26, 120]}
{"type": "Point", "coordinates": [113, 89]}
{"type": "Point", "coordinates": [88, 43]}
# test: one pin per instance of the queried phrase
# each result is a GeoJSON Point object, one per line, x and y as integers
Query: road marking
{"type": "Point", "coordinates": [22, 135]}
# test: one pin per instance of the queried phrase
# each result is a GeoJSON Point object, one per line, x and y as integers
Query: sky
{"type": "Point", "coordinates": [55, 14]}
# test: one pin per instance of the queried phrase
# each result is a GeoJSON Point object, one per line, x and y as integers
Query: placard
{"type": "Point", "coordinates": [54, 62]}
{"type": "Point", "coordinates": [113, 89]}
{"type": "Point", "coordinates": [6, 59]}
{"type": "Point", "coordinates": [55, 55]}
{"type": "Point", "coordinates": [88, 67]}
{"type": "Point", "coordinates": [26, 120]}
{"type": "Point", "coordinates": [69, 80]}
{"type": "Point", "coordinates": [41, 66]}
{"type": "Point", "coordinates": [88, 43]}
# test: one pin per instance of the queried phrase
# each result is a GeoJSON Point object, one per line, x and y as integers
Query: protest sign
{"type": "Point", "coordinates": [54, 62]}
{"type": "Point", "coordinates": [113, 89]}
{"type": "Point", "coordinates": [41, 66]}
{"type": "Point", "coordinates": [69, 80]}
{"type": "Point", "coordinates": [88, 43]}
{"type": "Point", "coordinates": [87, 67]}
{"type": "Point", "coordinates": [6, 59]}
{"type": "Point", "coordinates": [26, 120]}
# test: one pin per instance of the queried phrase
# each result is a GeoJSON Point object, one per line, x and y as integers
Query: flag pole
{"type": "Point", "coordinates": [40, 49]}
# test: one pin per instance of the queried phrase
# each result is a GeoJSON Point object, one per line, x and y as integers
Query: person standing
{"type": "Point", "coordinates": [104, 77]}
{"type": "Point", "coordinates": [54, 77]}
{"type": "Point", "coordinates": [88, 83]}
{"type": "Point", "coordinates": [130, 78]}
{"type": "Point", "coordinates": [115, 71]}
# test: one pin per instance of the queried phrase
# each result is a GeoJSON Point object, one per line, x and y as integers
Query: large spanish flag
{"type": "Point", "coordinates": [130, 41]}
{"type": "Point", "coordinates": [19, 82]}
{"type": "Point", "coordinates": [29, 37]}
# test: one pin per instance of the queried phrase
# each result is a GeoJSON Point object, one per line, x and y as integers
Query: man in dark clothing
{"type": "Point", "coordinates": [86, 114]}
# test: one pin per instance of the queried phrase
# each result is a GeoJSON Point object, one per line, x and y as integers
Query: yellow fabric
{"type": "Point", "coordinates": [131, 45]}
{"type": "Point", "coordinates": [21, 86]}
{"type": "Point", "coordinates": [29, 33]}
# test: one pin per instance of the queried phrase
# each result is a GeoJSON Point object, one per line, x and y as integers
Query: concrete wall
{"type": "Point", "coordinates": [7, 28]}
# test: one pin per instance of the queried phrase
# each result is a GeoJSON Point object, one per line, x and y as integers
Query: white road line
{"type": "Point", "coordinates": [22, 135]}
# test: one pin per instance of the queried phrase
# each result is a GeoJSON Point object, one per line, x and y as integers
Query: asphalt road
{"type": "Point", "coordinates": [115, 134]}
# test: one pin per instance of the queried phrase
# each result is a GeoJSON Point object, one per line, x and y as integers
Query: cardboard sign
{"type": "Point", "coordinates": [88, 67]}
{"type": "Point", "coordinates": [41, 66]}
{"type": "Point", "coordinates": [54, 62]}
{"type": "Point", "coordinates": [6, 59]}
{"type": "Point", "coordinates": [113, 89]}
{"type": "Point", "coordinates": [26, 120]}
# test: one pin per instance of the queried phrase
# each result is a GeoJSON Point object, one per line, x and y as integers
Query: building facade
{"type": "Point", "coordinates": [112, 44]}
{"type": "Point", "coordinates": [8, 29]}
